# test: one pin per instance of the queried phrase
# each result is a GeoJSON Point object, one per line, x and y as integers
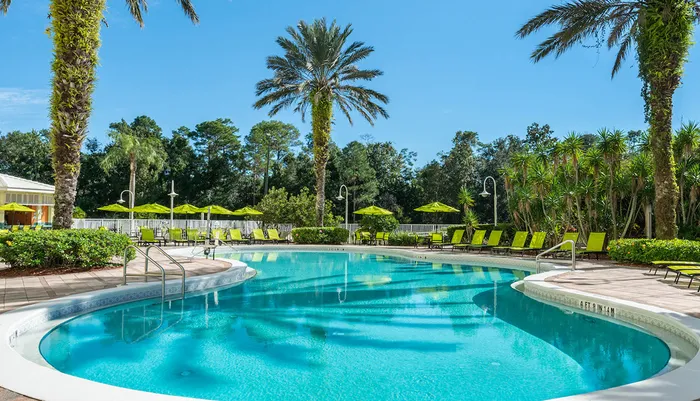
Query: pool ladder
{"type": "Point", "coordinates": [538, 262]}
{"type": "Point", "coordinates": [146, 274]}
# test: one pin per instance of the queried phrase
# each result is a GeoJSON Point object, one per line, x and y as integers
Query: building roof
{"type": "Point", "coordinates": [15, 184]}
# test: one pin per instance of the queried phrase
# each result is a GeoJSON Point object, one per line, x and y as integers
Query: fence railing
{"type": "Point", "coordinates": [246, 226]}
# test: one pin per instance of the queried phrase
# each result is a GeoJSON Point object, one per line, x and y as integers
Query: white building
{"type": "Point", "coordinates": [32, 194]}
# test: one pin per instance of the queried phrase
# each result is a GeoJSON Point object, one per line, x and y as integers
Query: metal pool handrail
{"type": "Point", "coordinates": [162, 273]}
{"type": "Point", "coordinates": [559, 245]}
{"type": "Point", "coordinates": [175, 262]}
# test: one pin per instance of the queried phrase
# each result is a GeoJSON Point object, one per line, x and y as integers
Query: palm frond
{"type": "Point", "coordinates": [580, 20]}
{"type": "Point", "coordinates": [319, 63]}
{"type": "Point", "coordinates": [137, 8]}
{"type": "Point", "coordinates": [4, 5]}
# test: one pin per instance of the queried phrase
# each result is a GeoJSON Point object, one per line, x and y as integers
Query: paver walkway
{"type": "Point", "coordinates": [634, 284]}
{"type": "Point", "coordinates": [21, 291]}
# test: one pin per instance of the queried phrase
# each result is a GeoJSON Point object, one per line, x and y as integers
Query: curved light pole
{"type": "Point", "coordinates": [131, 206]}
{"type": "Point", "coordinates": [340, 197]}
{"type": "Point", "coordinates": [486, 194]}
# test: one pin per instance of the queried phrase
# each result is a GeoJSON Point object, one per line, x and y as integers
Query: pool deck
{"type": "Point", "coordinates": [597, 277]}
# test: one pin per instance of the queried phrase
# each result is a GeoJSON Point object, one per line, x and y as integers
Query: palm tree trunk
{"type": "Point", "coordinates": [661, 104]}
{"type": "Point", "coordinates": [613, 204]}
{"type": "Point", "coordinates": [75, 27]}
{"type": "Point", "coordinates": [631, 215]}
{"type": "Point", "coordinates": [321, 114]}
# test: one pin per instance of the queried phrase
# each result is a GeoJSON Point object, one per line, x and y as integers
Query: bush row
{"type": "Point", "coordinates": [61, 248]}
{"type": "Point", "coordinates": [649, 250]}
{"type": "Point", "coordinates": [320, 235]}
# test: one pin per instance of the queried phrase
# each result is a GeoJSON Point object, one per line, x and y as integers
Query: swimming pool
{"type": "Point", "coordinates": [351, 326]}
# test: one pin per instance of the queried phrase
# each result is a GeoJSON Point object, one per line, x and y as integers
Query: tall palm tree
{"type": "Point", "coordinates": [661, 31]}
{"type": "Point", "coordinates": [138, 152]}
{"type": "Point", "coordinates": [612, 146]}
{"type": "Point", "coordinates": [319, 70]}
{"type": "Point", "coordinates": [75, 29]}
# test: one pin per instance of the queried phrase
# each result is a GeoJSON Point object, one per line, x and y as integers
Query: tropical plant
{"type": "Point", "coordinates": [319, 70]}
{"type": "Point", "coordinates": [661, 31]}
{"type": "Point", "coordinates": [138, 152]}
{"type": "Point", "coordinates": [75, 29]}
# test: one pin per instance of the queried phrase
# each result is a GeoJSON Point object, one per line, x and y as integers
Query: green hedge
{"type": "Point", "coordinates": [402, 238]}
{"type": "Point", "coordinates": [320, 235]}
{"type": "Point", "coordinates": [61, 248]}
{"type": "Point", "coordinates": [649, 250]}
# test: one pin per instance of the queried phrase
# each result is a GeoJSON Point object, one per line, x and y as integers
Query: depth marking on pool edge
{"type": "Point", "coordinates": [597, 308]}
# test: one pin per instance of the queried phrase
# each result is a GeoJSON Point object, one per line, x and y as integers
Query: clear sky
{"type": "Point", "coordinates": [449, 65]}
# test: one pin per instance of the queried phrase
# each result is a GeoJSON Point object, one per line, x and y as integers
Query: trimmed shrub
{"type": "Point", "coordinates": [62, 248]}
{"type": "Point", "coordinates": [320, 235]}
{"type": "Point", "coordinates": [402, 238]}
{"type": "Point", "coordinates": [649, 250]}
{"type": "Point", "coordinates": [376, 224]}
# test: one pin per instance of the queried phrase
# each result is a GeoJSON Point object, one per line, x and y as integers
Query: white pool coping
{"type": "Point", "coordinates": [19, 374]}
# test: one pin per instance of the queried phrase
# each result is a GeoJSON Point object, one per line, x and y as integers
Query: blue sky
{"type": "Point", "coordinates": [449, 65]}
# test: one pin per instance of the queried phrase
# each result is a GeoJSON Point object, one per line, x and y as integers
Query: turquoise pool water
{"type": "Point", "coordinates": [339, 326]}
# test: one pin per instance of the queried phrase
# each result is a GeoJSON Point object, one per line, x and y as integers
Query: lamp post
{"type": "Point", "coordinates": [172, 196]}
{"type": "Point", "coordinates": [486, 194]}
{"type": "Point", "coordinates": [340, 197]}
{"type": "Point", "coordinates": [131, 206]}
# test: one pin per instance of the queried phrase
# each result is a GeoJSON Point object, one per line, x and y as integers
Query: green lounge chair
{"type": "Point", "coordinates": [386, 238]}
{"type": "Point", "coordinates": [685, 270]}
{"type": "Point", "coordinates": [26, 228]}
{"type": "Point", "coordinates": [217, 233]}
{"type": "Point", "coordinates": [536, 243]}
{"type": "Point", "coordinates": [37, 227]}
{"type": "Point", "coordinates": [378, 237]}
{"type": "Point", "coordinates": [148, 237]}
{"type": "Point", "coordinates": [665, 264]}
{"type": "Point", "coordinates": [259, 236]}
{"type": "Point", "coordinates": [274, 236]}
{"type": "Point", "coordinates": [594, 246]}
{"type": "Point", "coordinates": [477, 238]}
{"type": "Point", "coordinates": [494, 240]}
{"type": "Point", "coordinates": [236, 237]}
{"type": "Point", "coordinates": [518, 242]}
{"type": "Point", "coordinates": [2, 232]}
{"type": "Point", "coordinates": [101, 228]}
{"type": "Point", "coordinates": [193, 236]}
{"type": "Point", "coordinates": [175, 236]}
{"type": "Point", "coordinates": [436, 240]}
{"type": "Point", "coordinates": [566, 248]}
{"type": "Point", "coordinates": [15, 228]}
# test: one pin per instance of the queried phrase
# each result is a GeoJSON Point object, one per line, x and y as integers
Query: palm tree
{"type": "Point", "coordinates": [75, 29]}
{"type": "Point", "coordinates": [612, 146]}
{"type": "Point", "coordinates": [661, 31]}
{"type": "Point", "coordinates": [319, 70]}
{"type": "Point", "coordinates": [147, 153]}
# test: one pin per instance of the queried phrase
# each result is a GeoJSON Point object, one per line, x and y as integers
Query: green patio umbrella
{"type": "Point", "coordinates": [15, 207]}
{"type": "Point", "coordinates": [374, 211]}
{"type": "Point", "coordinates": [214, 209]}
{"type": "Point", "coordinates": [436, 207]}
{"type": "Point", "coordinates": [151, 208]}
{"type": "Point", "coordinates": [114, 207]}
{"type": "Point", "coordinates": [246, 211]}
{"type": "Point", "coordinates": [187, 209]}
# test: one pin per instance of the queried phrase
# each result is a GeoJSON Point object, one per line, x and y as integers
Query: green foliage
{"type": "Point", "coordinates": [402, 238]}
{"type": "Point", "coordinates": [376, 224]}
{"type": "Point", "coordinates": [649, 250]}
{"type": "Point", "coordinates": [79, 213]}
{"type": "Point", "coordinates": [280, 207]}
{"type": "Point", "coordinates": [62, 248]}
{"type": "Point", "coordinates": [27, 155]}
{"type": "Point", "coordinates": [320, 235]}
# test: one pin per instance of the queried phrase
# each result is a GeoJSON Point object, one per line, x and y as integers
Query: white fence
{"type": "Point", "coordinates": [246, 226]}
{"type": "Point", "coordinates": [161, 225]}
{"type": "Point", "coordinates": [415, 228]}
